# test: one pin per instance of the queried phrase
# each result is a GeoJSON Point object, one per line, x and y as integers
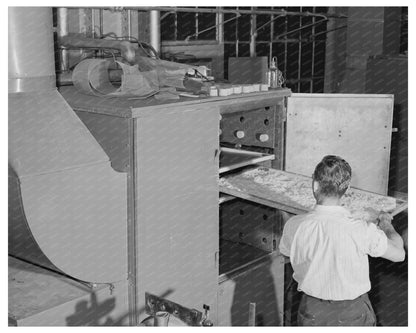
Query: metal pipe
{"type": "Point", "coordinates": [196, 25]}
{"type": "Point", "coordinates": [31, 59]}
{"type": "Point", "coordinates": [62, 14]}
{"type": "Point", "coordinates": [252, 314]}
{"type": "Point", "coordinates": [279, 41]}
{"type": "Point", "coordinates": [212, 27]}
{"type": "Point", "coordinates": [176, 27]}
{"type": "Point", "coordinates": [126, 48]}
{"type": "Point", "coordinates": [101, 20]}
{"type": "Point", "coordinates": [253, 35]}
{"type": "Point", "coordinates": [101, 29]}
{"type": "Point", "coordinates": [155, 30]}
{"type": "Point", "coordinates": [129, 23]}
{"type": "Point", "coordinates": [325, 17]}
{"type": "Point", "coordinates": [271, 39]}
{"type": "Point", "coordinates": [286, 48]}
{"type": "Point", "coordinates": [300, 28]}
{"type": "Point", "coordinates": [300, 53]}
{"type": "Point", "coordinates": [313, 55]}
{"type": "Point", "coordinates": [220, 27]}
{"type": "Point", "coordinates": [236, 34]}
{"type": "Point", "coordinates": [93, 23]}
{"type": "Point", "coordinates": [280, 12]}
{"type": "Point", "coordinates": [85, 22]}
{"type": "Point", "coordinates": [330, 30]}
{"type": "Point", "coordinates": [63, 27]}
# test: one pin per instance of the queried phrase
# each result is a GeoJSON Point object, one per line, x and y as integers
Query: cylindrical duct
{"type": "Point", "coordinates": [31, 59]}
{"type": "Point", "coordinates": [155, 29]}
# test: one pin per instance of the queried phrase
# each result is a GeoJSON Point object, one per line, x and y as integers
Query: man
{"type": "Point", "coordinates": [329, 251]}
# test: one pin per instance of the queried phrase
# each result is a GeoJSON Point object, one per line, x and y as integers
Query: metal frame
{"type": "Point", "coordinates": [132, 226]}
{"type": "Point", "coordinates": [252, 42]}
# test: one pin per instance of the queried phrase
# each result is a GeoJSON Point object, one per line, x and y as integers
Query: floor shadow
{"type": "Point", "coordinates": [255, 286]}
{"type": "Point", "coordinates": [91, 312]}
{"type": "Point", "coordinates": [94, 313]}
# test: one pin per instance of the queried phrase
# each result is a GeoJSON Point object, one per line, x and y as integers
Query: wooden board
{"type": "Point", "coordinates": [293, 193]}
{"type": "Point", "coordinates": [355, 127]}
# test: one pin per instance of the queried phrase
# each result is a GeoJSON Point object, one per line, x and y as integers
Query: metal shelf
{"type": "Point", "coordinates": [238, 257]}
{"type": "Point", "coordinates": [231, 159]}
{"type": "Point", "coordinates": [225, 197]}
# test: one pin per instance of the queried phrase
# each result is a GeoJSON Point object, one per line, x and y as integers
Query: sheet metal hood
{"type": "Point", "coordinates": [67, 206]}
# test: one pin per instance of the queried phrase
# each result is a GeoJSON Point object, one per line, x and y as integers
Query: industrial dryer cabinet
{"type": "Point", "coordinates": [187, 245]}
{"type": "Point", "coordinates": [170, 154]}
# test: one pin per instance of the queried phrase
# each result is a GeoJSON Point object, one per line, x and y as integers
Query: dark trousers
{"type": "Point", "coordinates": [317, 312]}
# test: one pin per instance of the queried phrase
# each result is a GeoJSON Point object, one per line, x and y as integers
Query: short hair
{"type": "Point", "coordinates": [333, 174]}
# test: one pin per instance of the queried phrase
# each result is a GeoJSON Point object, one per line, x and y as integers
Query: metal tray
{"type": "Point", "coordinates": [243, 185]}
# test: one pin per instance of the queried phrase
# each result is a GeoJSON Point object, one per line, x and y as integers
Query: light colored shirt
{"type": "Point", "coordinates": [329, 251]}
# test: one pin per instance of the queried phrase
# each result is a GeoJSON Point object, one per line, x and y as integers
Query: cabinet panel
{"type": "Point", "coordinates": [177, 207]}
{"type": "Point", "coordinates": [112, 133]}
{"type": "Point", "coordinates": [356, 127]}
{"type": "Point", "coordinates": [177, 152]}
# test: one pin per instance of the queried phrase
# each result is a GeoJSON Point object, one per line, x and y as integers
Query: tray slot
{"type": "Point", "coordinates": [225, 197]}
{"type": "Point", "coordinates": [231, 159]}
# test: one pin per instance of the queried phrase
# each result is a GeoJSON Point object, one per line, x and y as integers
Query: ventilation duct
{"type": "Point", "coordinates": [67, 206]}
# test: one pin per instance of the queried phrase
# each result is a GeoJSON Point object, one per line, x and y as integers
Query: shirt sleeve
{"type": "Point", "coordinates": [376, 241]}
{"type": "Point", "coordinates": [284, 247]}
{"type": "Point", "coordinates": [287, 237]}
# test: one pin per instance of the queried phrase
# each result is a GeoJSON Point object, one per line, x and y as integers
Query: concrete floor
{"type": "Point", "coordinates": [389, 293]}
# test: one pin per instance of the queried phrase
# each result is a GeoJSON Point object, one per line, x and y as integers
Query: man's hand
{"type": "Point", "coordinates": [372, 215]}
{"type": "Point", "coordinates": [384, 221]}
{"type": "Point", "coordinates": [395, 251]}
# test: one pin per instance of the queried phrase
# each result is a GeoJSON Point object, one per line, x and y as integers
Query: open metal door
{"type": "Point", "coordinates": [355, 127]}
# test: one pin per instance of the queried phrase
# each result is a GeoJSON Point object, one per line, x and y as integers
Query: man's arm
{"type": "Point", "coordinates": [395, 251]}
{"type": "Point", "coordinates": [291, 224]}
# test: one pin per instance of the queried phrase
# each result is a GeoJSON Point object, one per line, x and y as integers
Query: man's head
{"type": "Point", "coordinates": [331, 178]}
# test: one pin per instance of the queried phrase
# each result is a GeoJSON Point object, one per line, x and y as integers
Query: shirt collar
{"type": "Point", "coordinates": [332, 210]}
